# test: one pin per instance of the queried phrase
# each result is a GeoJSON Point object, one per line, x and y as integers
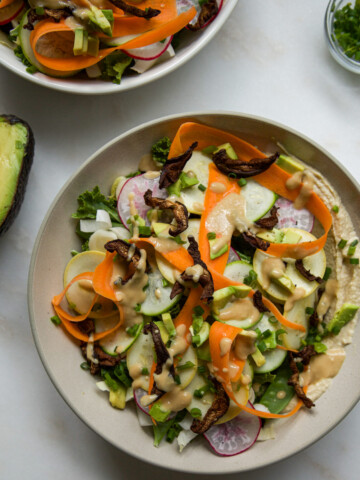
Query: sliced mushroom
{"type": "Point", "coordinates": [294, 381]}
{"type": "Point", "coordinates": [128, 252]}
{"type": "Point", "coordinates": [240, 168]}
{"type": "Point", "coordinates": [178, 209]}
{"type": "Point", "coordinates": [162, 354]}
{"type": "Point", "coordinates": [218, 408]}
{"type": "Point", "coordinates": [55, 14]}
{"type": "Point", "coordinates": [137, 12]}
{"type": "Point", "coordinates": [207, 12]}
{"type": "Point", "coordinates": [299, 265]}
{"type": "Point", "coordinates": [270, 221]}
{"type": "Point", "coordinates": [174, 166]}
{"type": "Point", "coordinates": [255, 242]}
{"type": "Point", "coordinates": [204, 279]}
{"type": "Point", "coordinates": [258, 302]}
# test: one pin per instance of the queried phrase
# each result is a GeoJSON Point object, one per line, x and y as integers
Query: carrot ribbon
{"type": "Point", "coordinates": [71, 63]}
{"type": "Point", "coordinates": [274, 179]}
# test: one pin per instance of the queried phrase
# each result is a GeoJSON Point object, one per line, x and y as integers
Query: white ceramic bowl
{"type": "Point", "coordinates": [61, 357]}
{"type": "Point", "coordinates": [191, 44]}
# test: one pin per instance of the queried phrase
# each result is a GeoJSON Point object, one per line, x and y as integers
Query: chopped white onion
{"type": "Point", "coordinates": [184, 438]}
{"type": "Point", "coordinates": [144, 420]}
{"type": "Point", "coordinates": [102, 386]}
{"type": "Point", "coordinates": [102, 216]}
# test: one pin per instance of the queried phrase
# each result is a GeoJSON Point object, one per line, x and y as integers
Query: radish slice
{"type": "Point", "coordinates": [138, 186]}
{"type": "Point", "coordinates": [150, 52]}
{"type": "Point", "coordinates": [235, 436]}
{"type": "Point", "coordinates": [233, 256]}
{"type": "Point", "coordinates": [290, 217]}
{"type": "Point", "coordinates": [184, 5]}
{"type": "Point", "coordinates": [138, 394]}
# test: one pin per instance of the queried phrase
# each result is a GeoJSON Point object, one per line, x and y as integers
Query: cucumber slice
{"type": "Point", "coordinates": [192, 197]}
{"type": "Point", "coordinates": [187, 375]}
{"type": "Point", "coordinates": [141, 353]}
{"type": "Point", "coordinates": [157, 296]}
{"type": "Point", "coordinates": [292, 338]}
{"type": "Point", "coordinates": [81, 294]}
{"type": "Point", "coordinates": [274, 358]}
{"type": "Point", "coordinates": [166, 269]}
{"type": "Point", "coordinates": [258, 199]}
{"type": "Point", "coordinates": [119, 341]}
{"type": "Point", "coordinates": [237, 270]}
{"type": "Point", "coordinates": [24, 38]}
{"type": "Point", "coordinates": [315, 263]}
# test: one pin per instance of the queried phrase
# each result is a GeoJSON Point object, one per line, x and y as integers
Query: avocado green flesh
{"type": "Point", "coordinates": [13, 141]}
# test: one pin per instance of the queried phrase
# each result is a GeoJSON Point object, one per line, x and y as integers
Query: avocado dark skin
{"type": "Point", "coordinates": [10, 209]}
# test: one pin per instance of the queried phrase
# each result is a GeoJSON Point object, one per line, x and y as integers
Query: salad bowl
{"type": "Point", "coordinates": [190, 44]}
{"type": "Point", "coordinates": [61, 358]}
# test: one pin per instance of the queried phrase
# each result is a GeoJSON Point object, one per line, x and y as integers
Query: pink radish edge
{"type": "Point", "coordinates": [210, 435]}
{"type": "Point", "coordinates": [138, 394]}
{"type": "Point", "coordinates": [154, 57]}
{"type": "Point", "coordinates": [212, 18]}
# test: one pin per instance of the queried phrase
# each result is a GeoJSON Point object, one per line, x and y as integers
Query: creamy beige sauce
{"type": "Point", "coordinates": [271, 267]}
{"type": "Point", "coordinates": [132, 293]}
{"type": "Point", "coordinates": [158, 293]}
{"type": "Point", "coordinates": [327, 298]}
{"type": "Point", "coordinates": [244, 345]}
{"type": "Point", "coordinates": [297, 294]}
{"type": "Point", "coordinates": [179, 345]}
{"type": "Point", "coordinates": [227, 216]}
{"type": "Point", "coordinates": [86, 285]}
{"type": "Point", "coordinates": [225, 346]}
{"type": "Point", "coordinates": [150, 175]}
{"type": "Point", "coordinates": [135, 372]}
{"type": "Point", "coordinates": [164, 381]}
{"type": "Point", "coordinates": [240, 309]}
{"type": "Point", "coordinates": [90, 350]}
{"type": "Point", "coordinates": [147, 400]}
{"type": "Point", "coordinates": [326, 365]}
{"type": "Point", "coordinates": [245, 379]}
{"type": "Point", "coordinates": [281, 394]}
{"type": "Point", "coordinates": [164, 245]}
{"type": "Point", "coordinates": [133, 212]}
{"type": "Point", "coordinates": [147, 164]}
{"type": "Point", "coordinates": [198, 207]}
{"type": "Point", "coordinates": [195, 271]}
{"type": "Point", "coordinates": [217, 187]}
{"type": "Point", "coordinates": [233, 369]}
{"type": "Point", "coordinates": [304, 179]}
{"type": "Point", "coordinates": [299, 252]}
{"type": "Point", "coordinates": [176, 400]}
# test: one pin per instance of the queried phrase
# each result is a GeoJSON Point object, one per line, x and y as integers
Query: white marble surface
{"type": "Point", "coordinates": [269, 60]}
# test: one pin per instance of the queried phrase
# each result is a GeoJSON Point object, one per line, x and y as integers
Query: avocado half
{"type": "Point", "coordinates": [16, 157]}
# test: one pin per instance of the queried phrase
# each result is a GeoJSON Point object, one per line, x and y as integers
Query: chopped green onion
{"type": "Point", "coordinates": [178, 240]}
{"type": "Point", "coordinates": [201, 369]}
{"type": "Point", "coordinates": [327, 273]}
{"type": "Point", "coordinates": [202, 187]}
{"type": "Point", "coordinates": [132, 331]}
{"type": "Point", "coordinates": [198, 311]}
{"type": "Point", "coordinates": [242, 182]}
{"type": "Point", "coordinates": [195, 412]}
{"type": "Point", "coordinates": [354, 243]}
{"type": "Point", "coordinates": [354, 261]}
{"type": "Point", "coordinates": [309, 311]}
{"type": "Point", "coordinates": [272, 320]}
{"type": "Point", "coordinates": [351, 251]}
{"type": "Point", "coordinates": [266, 333]}
{"type": "Point", "coordinates": [209, 150]}
{"type": "Point", "coordinates": [231, 175]}
{"type": "Point", "coordinates": [251, 278]}
{"type": "Point", "coordinates": [84, 366]}
{"type": "Point", "coordinates": [73, 253]}
{"type": "Point", "coordinates": [165, 283]}
{"type": "Point", "coordinates": [211, 236]}
{"type": "Point", "coordinates": [320, 347]}
{"type": "Point", "coordinates": [262, 346]}
{"type": "Point", "coordinates": [144, 371]}
{"type": "Point", "coordinates": [186, 365]}
{"type": "Point", "coordinates": [55, 320]}
{"type": "Point", "coordinates": [342, 243]}
{"type": "Point", "coordinates": [177, 379]}
{"type": "Point", "coordinates": [335, 209]}
{"type": "Point", "coordinates": [144, 231]}
{"type": "Point", "coordinates": [137, 307]}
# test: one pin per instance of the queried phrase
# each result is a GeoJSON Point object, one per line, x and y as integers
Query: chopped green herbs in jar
{"type": "Point", "coordinates": [347, 30]}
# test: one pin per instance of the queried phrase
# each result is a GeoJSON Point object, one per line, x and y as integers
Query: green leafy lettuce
{"type": "Point", "coordinates": [113, 66]}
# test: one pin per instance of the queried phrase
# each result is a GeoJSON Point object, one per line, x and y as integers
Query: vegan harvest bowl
{"type": "Point", "coordinates": [99, 39]}
{"type": "Point", "coordinates": [217, 286]}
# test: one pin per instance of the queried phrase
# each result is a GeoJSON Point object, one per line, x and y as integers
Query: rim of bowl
{"type": "Point", "coordinates": [34, 254]}
{"type": "Point", "coordinates": [145, 78]}
{"type": "Point", "coordinates": [335, 50]}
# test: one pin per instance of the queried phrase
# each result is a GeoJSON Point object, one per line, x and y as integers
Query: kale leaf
{"type": "Point", "coordinates": [160, 150]}
{"type": "Point", "coordinates": [90, 202]}
{"type": "Point", "coordinates": [113, 66]}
